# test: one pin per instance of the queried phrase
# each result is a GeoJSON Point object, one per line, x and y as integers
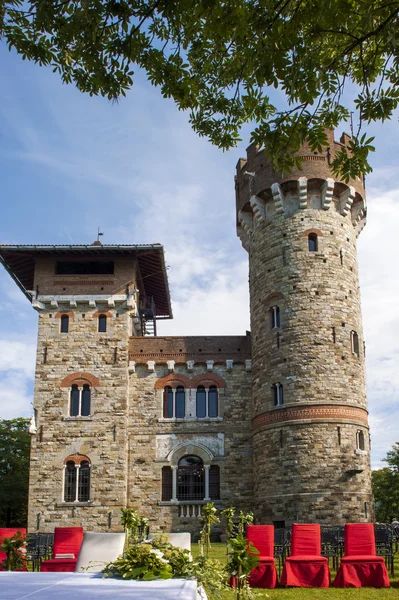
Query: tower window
{"type": "Point", "coordinates": [190, 478]}
{"type": "Point", "coordinates": [274, 317]}
{"type": "Point", "coordinates": [360, 445]}
{"type": "Point", "coordinates": [312, 242]}
{"type": "Point", "coordinates": [77, 480]}
{"type": "Point", "coordinates": [102, 323]}
{"type": "Point", "coordinates": [80, 401]}
{"type": "Point", "coordinates": [213, 401]}
{"type": "Point", "coordinates": [64, 327]}
{"type": "Point", "coordinates": [278, 394]}
{"type": "Point", "coordinates": [355, 343]}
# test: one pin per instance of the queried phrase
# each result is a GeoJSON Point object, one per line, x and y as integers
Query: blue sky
{"type": "Point", "coordinates": [70, 163]}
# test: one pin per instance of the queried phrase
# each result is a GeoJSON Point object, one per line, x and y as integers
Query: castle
{"type": "Point", "coordinates": [274, 421]}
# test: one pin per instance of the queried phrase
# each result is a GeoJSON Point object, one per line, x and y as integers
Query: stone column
{"type": "Point", "coordinates": [207, 498]}
{"type": "Point", "coordinates": [77, 467]}
{"type": "Point", "coordinates": [174, 484]}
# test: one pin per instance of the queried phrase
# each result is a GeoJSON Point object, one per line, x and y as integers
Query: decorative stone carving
{"type": "Point", "coordinates": [190, 365]}
{"type": "Point", "coordinates": [151, 365]}
{"type": "Point", "coordinates": [209, 365]}
{"type": "Point", "coordinates": [229, 365]}
{"type": "Point", "coordinates": [171, 365]}
{"type": "Point", "coordinates": [132, 366]}
{"type": "Point", "coordinates": [248, 365]}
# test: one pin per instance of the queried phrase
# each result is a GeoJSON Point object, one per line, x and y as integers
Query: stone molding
{"type": "Point", "coordinates": [80, 379]}
{"type": "Point", "coordinates": [102, 312]}
{"type": "Point", "coordinates": [205, 379]}
{"type": "Point", "coordinates": [311, 413]}
{"type": "Point", "coordinates": [61, 313]}
{"type": "Point", "coordinates": [77, 459]}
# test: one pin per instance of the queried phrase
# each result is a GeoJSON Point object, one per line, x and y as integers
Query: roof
{"type": "Point", "coordinates": [19, 261]}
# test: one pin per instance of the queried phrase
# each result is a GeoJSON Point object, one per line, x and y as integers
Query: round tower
{"type": "Point", "coordinates": [309, 408]}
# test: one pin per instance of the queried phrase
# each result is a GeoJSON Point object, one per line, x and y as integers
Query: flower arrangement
{"type": "Point", "coordinates": [157, 559]}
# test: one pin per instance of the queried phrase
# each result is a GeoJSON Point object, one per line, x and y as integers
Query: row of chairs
{"type": "Point", "coordinates": [305, 566]}
{"type": "Point", "coordinates": [332, 544]}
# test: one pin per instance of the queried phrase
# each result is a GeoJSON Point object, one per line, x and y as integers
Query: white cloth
{"type": "Point", "coordinates": [91, 586]}
{"type": "Point", "coordinates": [98, 549]}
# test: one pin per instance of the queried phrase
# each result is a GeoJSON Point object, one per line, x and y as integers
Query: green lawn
{"type": "Point", "coordinates": [218, 551]}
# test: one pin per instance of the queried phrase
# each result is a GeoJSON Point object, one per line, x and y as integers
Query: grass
{"type": "Point", "coordinates": [218, 551]}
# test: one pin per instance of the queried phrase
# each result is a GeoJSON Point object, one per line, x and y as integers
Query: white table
{"type": "Point", "coordinates": [91, 586]}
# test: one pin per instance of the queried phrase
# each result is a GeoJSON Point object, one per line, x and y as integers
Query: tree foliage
{"type": "Point", "coordinates": [386, 488]}
{"type": "Point", "coordinates": [221, 59]}
{"type": "Point", "coordinates": [14, 472]}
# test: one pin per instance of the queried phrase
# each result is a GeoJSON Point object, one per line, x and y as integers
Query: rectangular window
{"type": "Point", "coordinates": [214, 482]}
{"type": "Point", "coordinates": [166, 484]}
{"type": "Point", "coordinates": [84, 268]}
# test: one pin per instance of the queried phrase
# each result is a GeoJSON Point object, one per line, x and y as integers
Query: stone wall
{"type": "Point", "coordinates": [308, 470]}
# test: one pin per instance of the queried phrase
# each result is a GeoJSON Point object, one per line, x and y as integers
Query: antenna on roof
{"type": "Point", "coordinates": [99, 234]}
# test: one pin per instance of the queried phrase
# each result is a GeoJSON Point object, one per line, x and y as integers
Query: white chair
{"type": "Point", "coordinates": [98, 549]}
{"type": "Point", "coordinates": [180, 540]}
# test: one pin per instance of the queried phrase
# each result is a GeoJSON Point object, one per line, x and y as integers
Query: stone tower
{"type": "Point", "coordinates": [309, 409]}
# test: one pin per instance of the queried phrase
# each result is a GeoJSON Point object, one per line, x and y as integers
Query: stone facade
{"type": "Point", "coordinates": [289, 436]}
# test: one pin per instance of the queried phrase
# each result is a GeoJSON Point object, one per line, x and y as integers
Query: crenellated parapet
{"type": "Point", "coordinates": [262, 194]}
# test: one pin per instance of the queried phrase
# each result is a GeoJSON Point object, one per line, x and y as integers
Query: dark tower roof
{"type": "Point", "coordinates": [19, 261]}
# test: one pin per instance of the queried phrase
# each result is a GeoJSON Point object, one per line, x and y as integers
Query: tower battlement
{"type": "Point", "coordinates": [262, 193]}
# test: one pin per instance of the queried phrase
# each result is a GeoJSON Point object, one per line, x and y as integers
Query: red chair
{"type": "Point", "coordinates": [360, 566]}
{"type": "Point", "coordinates": [7, 532]}
{"type": "Point", "coordinates": [67, 543]}
{"type": "Point", "coordinates": [265, 574]}
{"type": "Point", "coordinates": [306, 567]}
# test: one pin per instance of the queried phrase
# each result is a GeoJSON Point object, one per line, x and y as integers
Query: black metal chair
{"type": "Point", "coordinates": [281, 546]}
{"type": "Point", "coordinates": [330, 544]}
{"type": "Point", "coordinates": [384, 545]}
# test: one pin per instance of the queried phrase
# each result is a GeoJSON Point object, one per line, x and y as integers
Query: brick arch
{"type": "Point", "coordinates": [208, 379]}
{"type": "Point", "coordinates": [309, 231]}
{"type": "Point", "coordinates": [80, 379]}
{"type": "Point", "coordinates": [61, 313]}
{"type": "Point", "coordinates": [77, 459]}
{"type": "Point", "coordinates": [274, 297]}
{"type": "Point", "coordinates": [173, 380]}
{"type": "Point", "coordinates": [102, 312]}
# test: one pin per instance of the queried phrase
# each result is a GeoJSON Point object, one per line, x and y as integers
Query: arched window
{"type": "Point", "coordinates": [70, 482]}
{"type": "Point", "coordinates": [278, 394]}
{"type": "Point", "coordinates": [77, 480]}
{"type": "Point", "coordinates": [360, 440]}
{"type": "Point", "coordinates": [180, 402]}
{"type": "Point", "coordinates": [190, 478]}
{"type": "Point", "coordinates": [201, 402]}
{"type": "Point", "coordinates": [102, 323]}
{"type": "Point", "coordinates": [168, 403]}
{"type": "Point", "coordinates": [80, 400]}
{"type": "Point", "coordinates": [312, 242]}
{"type": "Point", "coordinates": [213, 402]}
{"type": "Point", "coordinates": [355, 343]}
{"type": "Point", "coordinates": [86, 395]}
{"type": "Point", "coordinates": [64, 326]}
{"type": "Point", "coordinates": [84, 482]}
{"type": "Point", "coordinates": [274, 317]}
